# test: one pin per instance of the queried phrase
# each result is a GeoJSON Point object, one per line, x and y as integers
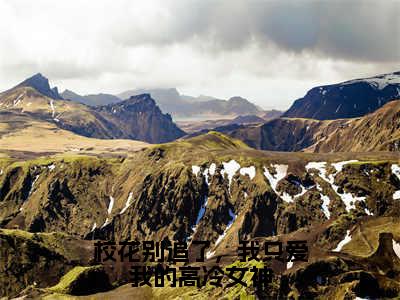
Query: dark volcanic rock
{"type": "Point", "coordinates": [348, 99]}
{"type": "Point", "coordinates": [140, 118]}
{"type": "Point", "coordinates": [41, 84]}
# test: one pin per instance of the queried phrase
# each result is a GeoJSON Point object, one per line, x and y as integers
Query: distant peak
{"type": "Point", "coordinates": [237, 99]}
{"type": "Point", "coordinates": [141, 97]}
{"type": "Point", "coordinates": [38, 75]}
{"type": "Point", "coordinates": [37, 78]}
{"type": "Point", "coordinates": [41, 84]}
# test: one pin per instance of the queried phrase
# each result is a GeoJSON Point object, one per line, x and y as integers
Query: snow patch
{"type": "Point", "coordinates": [105, 223]}
{"type": "Point", "coordinates": [378, 82]}
{"type": "Point", "coordinates": [205, 174]}
{"type": "Point", "coordinates": [51, 167]}
{"type": "Point", "coordinates": [367, 211]}
{"type": "Point", "coordinates": [396, 248]}
{"type": "Point", "coordinates": [33, 184]}
{"type": "Point", "coordinates": [250, 171]}
{"type": "Point", "coordinates": [230, 168]}
{"type": "Point", "coordinates": [212, 169]}
{"type": "Point", "coordinates": [396, 195]}
{"type": "Point", "coordinates": [345, 241]}
{"type": "Point", "coordinates": [195, 170]}
{"type": "Point", "coordinates": [53, 109]}
{"type": "Point", "coordinates": [18, 100]}
{"type": "Point", "coordinates": [281, 171]}
{"type": "Point", "coordinates": [339, 165]}
{"type": "Point", "coordinates": [396, 171]}
{"type": "Point", "coordinates": [325, 203]}
{"type": "Point", "coordinates": [127, 204]}
{"type": "Point", "coordinates": [348, 199]}
{"type": "Point", "coordinates": [289, 265]}
{"type": "Point", "coordinates": [210, 254]}
{"type": "Point", "coordinates": [110, 206]}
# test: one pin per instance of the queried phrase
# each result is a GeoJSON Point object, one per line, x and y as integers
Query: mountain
{"type": "Point", "coordinates": [348, 99]}
{"type": "Point", "coordinates": [136, 118]}
{"type": "Point", "coordinates": [378, 131]}
{"type": "Point", "coordinates": [91, 100]}
{"type": "Point", "coordinates": [198, 98]}
{"type": "Point", "coordinates": [203, 107]}
{"type": "Point", "coordinates": [336, 213]}
{"type": "Point", "coordinates": [140, 118]}
{"type": "Point", "coordinates": [211, 188]}
{"type": "Point", "coordinates": [199, 126]}
{"type": "Point", "coordinates": [27, 136]}
{"type": "Point", "coordinates": [162, 96]}
{"type": "Point", "coordinates": [247, 119]}
{"type": "Point", "coordinates": [179, 106]}
{"type": "Point", "coordinates": [41, 84]}
{"type": "Point", "coordinates": [233, 106]}
{"type": "Point", "coordinates": [270, 114]}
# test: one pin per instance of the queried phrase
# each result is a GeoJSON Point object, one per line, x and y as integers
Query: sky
{"type": "Point", "coordinates": [270, 52]}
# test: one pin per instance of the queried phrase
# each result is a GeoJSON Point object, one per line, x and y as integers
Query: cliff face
{"type": "Point", "coordinates": [41, 84]}
{"type": "Point", "coordinates": [140, 118]}
{"type": "Point", "coordinates": [207, 188]}
{"type": "Point", "coordinates": [163, 195]}
{"type": "Point", "coordinates": [378, 131]}
{"type": "Point", "coordinates": [348, 99]}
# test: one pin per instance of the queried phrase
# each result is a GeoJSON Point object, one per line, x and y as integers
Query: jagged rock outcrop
{"type": "Point", "coordinates": [41, 84]}
{"type": "Point", "coordinates": [216, 188]}
{"type": "Point", "coordinates": [140, 118]}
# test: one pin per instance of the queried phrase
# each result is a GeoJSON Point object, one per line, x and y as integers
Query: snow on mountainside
{"type": "Point", "coordinates": [349, 99]}
{"type": "Point", "coordinates": [379, 82]}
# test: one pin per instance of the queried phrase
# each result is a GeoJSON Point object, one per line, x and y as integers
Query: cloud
{"type": "Point", "coordinates": [269, 51]}
{"type": "Point", "coordinates": [356, 30]}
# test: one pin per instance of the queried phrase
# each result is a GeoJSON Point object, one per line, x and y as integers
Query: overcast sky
{"type": "Point", "coordinates": [270, 52]}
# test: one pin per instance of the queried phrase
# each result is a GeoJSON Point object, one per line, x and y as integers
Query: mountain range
{"type": "Point", "coordinates": [212, 188]}
{"type": "Point", "coordinates": [73, 174]}
{"type": "Point", "coordinates": [179, 106]}
{"type": "Point", "coordinates": [195, 126]}
{"type": "Point", "coordinates": [377, 131]}
{"type": "Point", "coordinates": [92, 100]}
{"type": "Point", "coordinates": [137, 118]}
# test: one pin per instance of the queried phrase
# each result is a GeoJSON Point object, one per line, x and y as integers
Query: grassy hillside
{"type": "Point", "coordinates": [377, 131]}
